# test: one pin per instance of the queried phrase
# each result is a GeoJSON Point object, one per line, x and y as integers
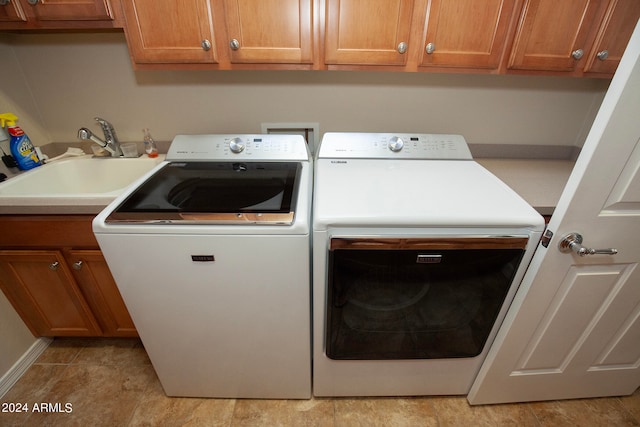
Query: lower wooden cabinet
{"type": "Point", "coordinates": [57, 279]}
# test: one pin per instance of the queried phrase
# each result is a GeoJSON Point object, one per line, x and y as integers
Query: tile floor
{"type": "Point", "coordinates": [111, 382]}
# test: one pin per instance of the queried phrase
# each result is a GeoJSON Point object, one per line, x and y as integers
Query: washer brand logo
{"type": "Point", "coordinates": [339, 161]}
{"type": "Point", "coordinates": [202, 258]}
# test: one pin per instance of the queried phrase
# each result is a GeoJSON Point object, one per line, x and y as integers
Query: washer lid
{"type": "Point", "coordinates": [415, 193]}
{"type": "Point", "coordinates": [214, 193]}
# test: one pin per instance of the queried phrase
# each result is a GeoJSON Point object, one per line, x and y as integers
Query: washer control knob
{"type": "Point", "coordinates": [236, 145]}
{"type": "Point", "coordinates": [395, 144]}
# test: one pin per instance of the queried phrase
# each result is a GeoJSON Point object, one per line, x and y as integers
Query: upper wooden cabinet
{"type": "Point", "coordinates": [11, 11]}
{"type": "Point", "coordinates": [220, 32]}
{"type": "Point", "coordinates": [170, 31]}
{"type": "Point", "coordinates": [76, 10]}
{"type": "Point", "coordinates": [26, 14]}
{"type": "Point", "coordinates": [466, 33]}
{"type": "Point", "coordinates": [613, 35]}
{"type": "Point", "coordinates": [269, 31]}
{"type": "Point", "coordinates": [367, 32]}
{"type": "Point", "coordinates": [554, 35]}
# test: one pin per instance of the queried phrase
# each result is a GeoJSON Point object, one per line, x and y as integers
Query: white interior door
{"type": "Point", "coordinates": [573, 329]}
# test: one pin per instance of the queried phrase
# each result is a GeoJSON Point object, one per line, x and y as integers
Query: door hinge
{"type": "Point", "coordinates": [546, 238]}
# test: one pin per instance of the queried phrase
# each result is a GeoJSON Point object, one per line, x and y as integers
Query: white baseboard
{"type": "Point", "coordinates": [20, 367]}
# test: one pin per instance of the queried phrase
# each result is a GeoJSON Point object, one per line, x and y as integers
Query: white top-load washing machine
{"type": "Point", "coordinates": [417, 253]}
{"type": "Point", "coordinates": [211, 253]}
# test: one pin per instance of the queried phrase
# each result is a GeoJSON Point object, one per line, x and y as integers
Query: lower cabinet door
{"type": "Point", "coordinates": [101, 292]}
{"type": "Point", "coordinates": [44, 293]}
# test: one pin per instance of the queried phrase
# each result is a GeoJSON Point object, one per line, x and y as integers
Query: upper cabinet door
{"type": "Point", "coordinates": [12, 11]}
{"type": "Point", "coordinates": [553, 35]}
{"type": "Point", "coordinates": [367, 32]}
{"type": "Point", "coordinates": [613, 36]}
{"type": "Point", "coordinates": [269, 31]}
{"type": "Point", "coordinates": [73, 10]}
{"type": "Point", "coordinates": [466, 33]}
{"type": "Point", "coordinates": [169, 31]}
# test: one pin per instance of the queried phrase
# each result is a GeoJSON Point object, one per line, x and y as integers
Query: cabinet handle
{"type": "Point", "coordinates": [602, 55]}
{"type": "Point", "coordinates": [206, 45]}
{"type": "Point", "coordinates": [4, 2]}
{"type": "Point", "coordinates": [430, 48]}
{"type": "Point", "coordinates": [402, 47]}
{"type": "Point", "coordinates": [77, 265]}
{"type": "Point", "coordinates": [33, 2]}
{"type": "Point", "coordinates": [54, 265]}
{"type": "Point", "coordinates": [234, 44]}
{"type": "Point", "coordinates": [577, 54]}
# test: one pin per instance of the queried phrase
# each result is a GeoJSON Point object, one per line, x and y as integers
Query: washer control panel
{"type": "Point", "coordinates": [386, 145]}
{"type": "Point", "coordinates": [241, 147]}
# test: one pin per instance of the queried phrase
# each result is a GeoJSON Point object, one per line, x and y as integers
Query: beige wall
{"type": "Point", "coordinates": [64, 80]}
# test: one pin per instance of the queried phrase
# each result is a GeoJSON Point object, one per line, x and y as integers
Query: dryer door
{"type": "Point", "coordinates": [416, 298]}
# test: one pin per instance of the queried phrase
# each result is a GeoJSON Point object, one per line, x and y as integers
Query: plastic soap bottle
{"type": "Point", "coordinates": [21, 147]}
{"type": "Point", "coordinates": [149, 144]}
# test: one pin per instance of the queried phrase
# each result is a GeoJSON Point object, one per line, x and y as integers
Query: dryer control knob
{"type": "Point", "coordinates": [236, 145]}
{"type": "Point", "coordinates": [395, 144]}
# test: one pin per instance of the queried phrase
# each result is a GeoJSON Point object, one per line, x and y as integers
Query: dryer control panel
{"type": "Point", "coordinates": [353, 145]}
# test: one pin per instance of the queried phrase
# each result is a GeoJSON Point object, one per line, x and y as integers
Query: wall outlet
{"type": "Point", "coordinates": [309, 131]}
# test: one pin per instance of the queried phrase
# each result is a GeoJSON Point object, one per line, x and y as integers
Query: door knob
{"type": "Point", "coordinates": [78, 265]}
{"type": "Point", "coordinates": [54, 265]}
{"type": "Point", "coordinates": [573, 242]}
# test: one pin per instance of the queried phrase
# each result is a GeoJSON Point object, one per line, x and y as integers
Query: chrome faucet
{"type": "Point", "coordinates": [110, 143]}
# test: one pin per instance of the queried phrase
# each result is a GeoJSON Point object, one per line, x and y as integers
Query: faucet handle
{"type": "Point", "coordinates": [109, 131]}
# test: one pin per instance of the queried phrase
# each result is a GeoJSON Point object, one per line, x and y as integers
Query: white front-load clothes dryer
{"type": "Point", "coordinates": [417, 253]}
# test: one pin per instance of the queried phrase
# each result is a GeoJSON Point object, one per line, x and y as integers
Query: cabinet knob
{"type": "Point", "coordinates": [577, 54]}
{"type": "Point", "coordinates": [33, 2]}
{"type": "Point", "coordinates": [4, 2]}
{"type": "Point", "coordinates": [206, 45]}
{"type": "Point", "coordinates": [77, 265]}
{"type": "Point", "coordinates": [234, 44]}
{"type": "Point", "coordinates": [54, 265]}
{"type": "Point", "coordinates": [602, 55]}
{"type": "Point", "coordinates": [402, 47]}
{"type": "Point", "coordinates": [430, 48]}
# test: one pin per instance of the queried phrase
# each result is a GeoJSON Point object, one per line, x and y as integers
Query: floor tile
{"type": "Point", "coordinates": [156, 409]}
{"type": "Point", "coordinates": [127, 351]}
{"type": "Point", "coordinates": [98, 395]}
{"type": "Point", "coordinates": [272, 413]}
{"type": "Point", "coordinates": [456, 411]}
{"type": "Point", "coordinates": [632, 404]}
{"type": "Point", "coordinates": [31, 389]}
{"type": "Point", "coordinates": [62, 350]}
{"type": "Point", "coordinates": [387, 412]}
{"type": "Point", "coordinates": [583, 412]}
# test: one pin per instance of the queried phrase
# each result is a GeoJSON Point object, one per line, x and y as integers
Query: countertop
{"type": "Point", "coordinates": [539, 182]}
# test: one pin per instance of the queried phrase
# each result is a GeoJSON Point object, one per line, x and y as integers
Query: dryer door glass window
{"type": "Point", "coordinates": [398, 302]}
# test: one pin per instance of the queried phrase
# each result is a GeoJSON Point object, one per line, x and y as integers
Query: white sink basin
{"type": "Point", "coordinates": [75, 181]}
